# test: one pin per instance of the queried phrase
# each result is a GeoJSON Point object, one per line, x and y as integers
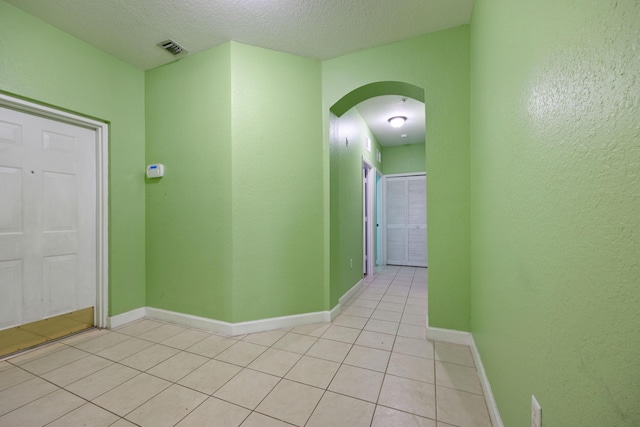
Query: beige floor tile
{"type": "Point", "coordinates": [124, 349]}
{"type": "Point", "coordinates": [259, 420]}
{"type": "Point", "coordinates": [81, 336]}
{"type": "Point", "coordinates": [11, 375]}
{"type": "Point", "coordinates": [376, 340]}
{"type": "Point", "coordinates": [86, 415]}
{"type": "Point", "coordinates": [295, 343]}
{"type": "Point", "coordinates": [414, 319]}
{"type": "Point", "coordinates": [55, 360]}
{"type": "Point", "coordinates": [349, 321]}
{"type": "Point", "coordinates": [342, 334]}
{"type": "Point", "coordinates": [382, 326]}
{"type": "Point", "coordinates": [211, 346]}
{"type": "Point", "coordinates": [215, 413]}
{"type": "Point", "coordinates": [394, 299]}
{"type": "Point", "coordinates": [415, 309]}
{"type": "Point", "coordinates": [131, 394]}
{"type": "Point", "coordinates": [74, 371]}
{"type": "Point", "coordinates": [366, 303]}
{"type": "Point", "coordinates": [453, 353]}
{"type": "Point", "coordinates": [372, 294]}
{"type": "Point", "coordinates": [241, 353]}
{"type": "Point", "coordinates": [275, 362]}
{"type": "Point", "coordinates": [412, 331]}
{"type": "Point", "coordinates": [312, 371]}
{"type": "Point", "coordinates": [248, 388]}
{"type": "Point", "coordinates": [162, 332]}
{"type": "Point", "coordinates": [210, 377]}
{"type": "Point", "coordinates": [390, 306]}
{"type": "Point", "coordinates": [341, 411]}
{"type": "Point", "coordinates": [102, 381]}
{"type": "Point", "coordinates": [123, 423]}
{"type": "Point", "coordinates": [458, 377]}
{"type": "Point", "coordinates": [368, 358]}
{"type": "Point", "coordinates": [178, 366]}
{"type": "Point", "coordinates": [358, 311]}
{"type": "Point", "coordinates": [43, 410]}
{"type": "Point", "coordinates": [23, 393]}
{"type": "Point", "coordinates": [149, 357]}
{"type": "Point", "coordinates": [387, 417]}
{"type": "Point", "coordinates": [329, 350]}
{"type": "Point", "coordinates": [36, 353]}
{"type": "Point", "coordinates": [415, 397]}
{"type": "Point", "coordinates": [101, 342]}
{"type": "Point", "coordinates": [186, 339]}
{"type": "Point", "coordinates": [314, 329]}
{"type": "Point", "coordinates": [291, 402]}
{"type": "Point", "coordinates": [423, 302]}
{"type": "Point", "coordinates": [389, 316]}
{"type": "Point", "coordinates": [267, 338]}
{"type": "Point", "coordinates": [461, 408]}
{"type": "Point", "coordinates": [414, 347]}
{"type": "Point", "coordinates": [412, 367]}
{"type": "Point", "coordinates": [167, 408]}
{"type": "Point", "coordinates": [138, 327]}
{"type": "Point", "coordinates": [357, 382]}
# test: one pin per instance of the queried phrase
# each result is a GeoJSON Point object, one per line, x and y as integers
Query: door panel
{"type": "Point", "coordinates": [406, 199]}
{"type": "Point", "coordinates": [47, 218]}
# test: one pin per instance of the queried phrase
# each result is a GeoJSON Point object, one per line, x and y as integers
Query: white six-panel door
{"type": "Point", "coordinates": [47, 218]}
{"type": "Point", "coordinates": [406, 220]}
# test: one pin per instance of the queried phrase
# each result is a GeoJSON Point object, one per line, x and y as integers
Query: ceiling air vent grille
{"type": "Point", "coordinates": [172, 47]}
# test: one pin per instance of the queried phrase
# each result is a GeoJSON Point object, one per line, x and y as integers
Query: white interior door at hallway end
{"type": "Point", "coordinates": [406, 220]}
{"type": "Point", "coordinates": [47, 218]}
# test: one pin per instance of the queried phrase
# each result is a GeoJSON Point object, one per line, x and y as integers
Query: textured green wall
{"type": "Point", "coordinates": [277, 251]}
{"type": "Point", "coordinates": [40, 62]}
{"type": "Point", "coordinates": [346, 199]}
{"type": "Point", "coordinates": [439, 63]}
{"type": "Point", "coordinates": [188, 215]}
{"type": "Point", "coordinates": [555, 225]}
{"type": "Point", "coordinates": [404, 158]}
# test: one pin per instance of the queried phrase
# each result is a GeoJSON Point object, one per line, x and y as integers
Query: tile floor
{"type": "Point", "coordinates": [371, 366]}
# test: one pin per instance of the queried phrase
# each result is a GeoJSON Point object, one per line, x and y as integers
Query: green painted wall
{"type": "Point", "coordinates": [439, 63]}
{"type": "Point", "coordinates": [40, 62]}
{"type": "Point", "coordinates": [346, 199]}
{"type": "Point", "coordinates": [555, 179]}
{"type": "Point", "coordinates": [188, 215]}
{"type": "Point", "coordinates": [277, 250]}
{"type": "Point", "coordinates": [404, 159]}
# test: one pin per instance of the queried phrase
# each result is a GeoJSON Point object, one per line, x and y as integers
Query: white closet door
{"type": "Point", "coordinates": [417, 221]}
{"type": "Point", "coordinates": [396, 218]}
{"type": "Point", "coordinates": [406, 220]}
{"type": "Point", "coordinates": [47, 218]}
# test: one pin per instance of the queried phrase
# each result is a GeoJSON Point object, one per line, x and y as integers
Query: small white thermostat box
{"type": "Point", "coordinates": [155, 171]}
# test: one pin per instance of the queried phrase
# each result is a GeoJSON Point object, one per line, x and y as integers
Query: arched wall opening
{"type": "Point", "coordinates": [349, 135]}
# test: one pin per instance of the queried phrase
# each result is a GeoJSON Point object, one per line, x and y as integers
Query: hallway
{"type": "Point", "coordinates": [370, 367]}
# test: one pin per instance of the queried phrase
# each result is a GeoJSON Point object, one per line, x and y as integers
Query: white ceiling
{"type": "Point", "coordinates": [320, 29]}
{"type": "Point", "coordinates": [377, 111]}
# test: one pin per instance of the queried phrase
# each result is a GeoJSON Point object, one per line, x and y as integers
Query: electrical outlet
{"type": "Point", "coordinates": [351, 263]}
{"type": "Point", "coordinates": [536, 413]}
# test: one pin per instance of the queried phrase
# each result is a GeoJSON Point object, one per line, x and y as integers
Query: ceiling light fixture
{"type": "Point", "coordinates": [397, 121]}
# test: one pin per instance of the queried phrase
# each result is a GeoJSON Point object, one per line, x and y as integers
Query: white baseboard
{"type": "Point", "coordinates": [496, 420]}
{"type": "Point", "coordinates": [190, 321]}
{"type": "Point", "coordinates": [351, 292]}
{"type": "Point", "coordinates": [466, 338]}
{"type": "Point", "coordinates": [232, 329]}
{"type": "Point", "coordinates": [124, 318]}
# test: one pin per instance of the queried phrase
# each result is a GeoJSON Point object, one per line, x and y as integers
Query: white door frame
{"type": "Point", "coordinates": [369, 211]}
{"type": "Point", "coordinates": [102, 221]}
